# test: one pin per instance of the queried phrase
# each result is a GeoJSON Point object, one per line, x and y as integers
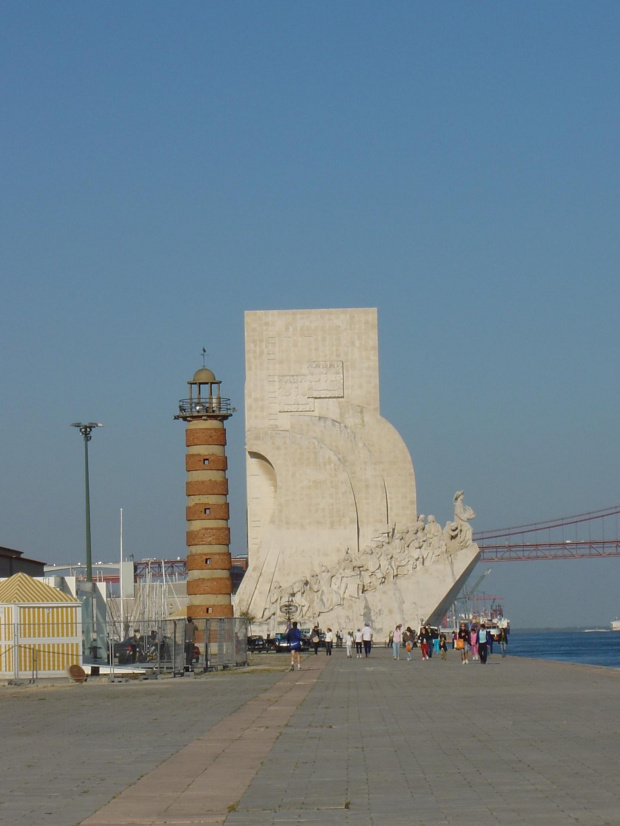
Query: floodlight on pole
{"type": "Point", "coordinates": [86, 430]}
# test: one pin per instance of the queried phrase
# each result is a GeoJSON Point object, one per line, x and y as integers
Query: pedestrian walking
{"type": "Point", "coordinates": [359, 642]}
{"type": "Point", "coordinates": [424, 638]}
{"type": "Point", "coordinates": [443, 646]}
{"type": "Point", "coordinates": [409, 640]}
{"type": "Point", "coordinates": [315, 638]}
{"type": "Point", "coordinates": [431, 642]}
{"type": "Point", "coordinates": [349, 639]}
{"type": "Point", "coordinates": [293, 635]}
{"type": "Point", "coordinates": [483, 636]}
{"type": "Point", "coordinates": [367, 638]}
{"type": "Point", "coordinates": [397, 636]}
{"type": "Point", "coordinates": [329, 641]}
{"type": "Point", "coordinates": [462, 643]}
{"type": "Point", "coordinates": [503, 641]}
{"type": "Point", "coordinates": [473, 643]}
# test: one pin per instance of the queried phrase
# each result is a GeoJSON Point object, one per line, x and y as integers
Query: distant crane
{"type": "Point", "coordinates": [461, 604]}
{"type": "Point", "coordinates": [467, 594]}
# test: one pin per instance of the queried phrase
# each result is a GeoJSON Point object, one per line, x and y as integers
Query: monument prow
{"type": "Point", "coordinates": [333, 531]}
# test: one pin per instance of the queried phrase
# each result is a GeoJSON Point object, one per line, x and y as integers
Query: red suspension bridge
{"type": "Point", "coordinates": [583, 536]}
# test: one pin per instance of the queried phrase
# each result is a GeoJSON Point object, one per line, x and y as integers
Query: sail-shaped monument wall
{"type": "Point", "coordinates": [334, 536]}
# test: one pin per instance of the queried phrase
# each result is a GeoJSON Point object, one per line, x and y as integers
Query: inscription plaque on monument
{"type": "Point", "coordinates": [293, 394]}
{"type": "Point", "coordinates": [326, 379]}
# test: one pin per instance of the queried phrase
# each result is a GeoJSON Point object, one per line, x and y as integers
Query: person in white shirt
{"type": "Point", "coordinates": [349, 642]}
{"type": "Point", "coordinates": [329, 641]}
{"type": "Point", "coordinates": [358, 643]}
{"type": "Point", "coordinates": [367, 638]}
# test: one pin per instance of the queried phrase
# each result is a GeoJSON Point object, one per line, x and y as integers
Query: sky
{"type": "Point", "coordinates": [167, 166]}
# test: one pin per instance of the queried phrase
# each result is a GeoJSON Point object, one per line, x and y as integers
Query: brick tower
{"type": "Point", "coordinates": [208, 534]}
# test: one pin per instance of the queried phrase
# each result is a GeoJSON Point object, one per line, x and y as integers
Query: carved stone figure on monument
{"type": "Point", "coordinates": [313, 591]}
{"type": "Point", "coordinates": [451, 535]}
{"type": "Point", "coordinates": [347, 579]}
{"type": "Point", "coordinates": [383, 535]}
{"type": "Point", "coordinates": [329, 597]}
{"type": "Point", "coordinates": [416, 533]}
{"type": "Point", "coordinates": [371, 571]}
{"type": "Point", "coordinates": [402, 559]}
{"type": "Point", "coordinates": [275, 595]}
{"type": "Point", "coordinates": [298, 594]}
{"type": "Point", "coordinates": [435, 542]}
{"type": "Point", "coordinates": [388, 571]}
{"type": "Point", "coordinates": [462, 514]}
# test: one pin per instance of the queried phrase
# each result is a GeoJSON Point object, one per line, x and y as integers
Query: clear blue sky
{"type": "Point", "coordinates": [166, 166]}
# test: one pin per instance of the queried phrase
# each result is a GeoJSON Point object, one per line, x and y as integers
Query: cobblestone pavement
{"type": "Point", "coordinates": [343, 741]}
{"type": "Point", "coordinates": [67, 749]}
{"type": "Point", "coordinates": [382, 742]}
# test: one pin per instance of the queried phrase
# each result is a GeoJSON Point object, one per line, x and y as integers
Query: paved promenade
{"type": "Point", "coordinates": [342, 741]}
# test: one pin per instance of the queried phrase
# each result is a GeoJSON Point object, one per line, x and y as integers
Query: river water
{"type": "Point", "coordinates": [571, 646]}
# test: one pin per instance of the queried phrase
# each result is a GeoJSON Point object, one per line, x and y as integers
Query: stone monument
{"type": "Point", "coordinates": [334, 536]}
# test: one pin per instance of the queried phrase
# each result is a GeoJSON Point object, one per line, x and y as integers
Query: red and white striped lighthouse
{"type": "Point", "coordinates": [208, 535]}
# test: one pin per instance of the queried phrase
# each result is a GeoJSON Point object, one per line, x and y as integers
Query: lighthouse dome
{"type": "Point", "coordinates": [204, 376]}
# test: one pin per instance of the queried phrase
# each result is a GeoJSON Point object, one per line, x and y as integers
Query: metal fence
{"type": "Point", "coordinates": [151, 646]}
{"type": "Point", "coordinates": [161, 646]}
{"type": "Point", "coordinates": [33, 650]}
{"type": "Point", "coordinates": [226, 642]}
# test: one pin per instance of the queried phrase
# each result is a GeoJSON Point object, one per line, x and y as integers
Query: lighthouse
{"type": "Point", "coordinates": [208, 535]}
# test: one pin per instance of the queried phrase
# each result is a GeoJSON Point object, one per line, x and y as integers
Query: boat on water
{"type": "Point", "coordinates": [494, 621]}
{"type": "Point", "coordinates": [615, 625]}
{"type": "Point", "coordinates": [475, 609]}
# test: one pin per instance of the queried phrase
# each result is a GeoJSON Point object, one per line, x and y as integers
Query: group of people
{"type": "Point", "coordinates": [424, 640]}
{"type": "Point", "coordinates": [477, 640]}
{"type": "Point", "coordinates": [361, 639]}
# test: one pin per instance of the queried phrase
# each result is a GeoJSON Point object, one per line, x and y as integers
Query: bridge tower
{"type": "Point", "coordinates": [208, 535]}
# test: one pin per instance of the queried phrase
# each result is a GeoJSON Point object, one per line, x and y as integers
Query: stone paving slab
{"type": "Point", "coordinates": [437, 744]}
{"type": "Point", "coordinates": [210, 774]}
{"type": "Point", "coordinates": [364, 742]}
{"type": "Point", "coordinates": [67, 749]}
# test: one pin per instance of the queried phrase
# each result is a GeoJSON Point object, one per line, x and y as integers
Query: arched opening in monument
{"type": "Point", "coordinates": [265, 484]}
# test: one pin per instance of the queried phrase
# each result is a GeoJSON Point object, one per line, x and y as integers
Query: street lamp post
{"type": "Point", "coordinates": [86, 431]}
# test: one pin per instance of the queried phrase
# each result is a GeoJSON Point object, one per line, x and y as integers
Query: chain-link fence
{"type": "Point", "coordinates": [151, 646]}
{"type": "Point", "coordinates": [32, 650]}
{"type": "Point", "coordinates": [227, 642]}
{"type": "Point", "coordinates": [168, 646]}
